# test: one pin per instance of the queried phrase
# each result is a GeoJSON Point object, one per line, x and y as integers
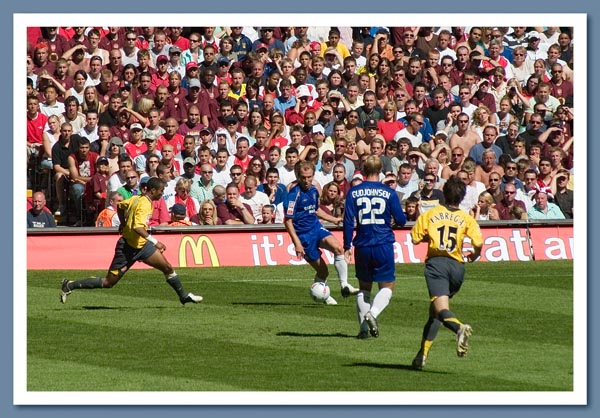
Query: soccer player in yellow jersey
{"type": "Point", "coordinates": [443, 228]}
{"type": "Point", "coordinates": [135, 244]}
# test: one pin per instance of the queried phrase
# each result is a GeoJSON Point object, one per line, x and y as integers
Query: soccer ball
{"type": "Point", "coordinates": [319, 291]}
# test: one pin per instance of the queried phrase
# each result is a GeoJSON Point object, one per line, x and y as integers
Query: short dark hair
{"type": "Point", "coordinates": [454, 191]}
{"type": "Point", "coordinates": [155, 183]}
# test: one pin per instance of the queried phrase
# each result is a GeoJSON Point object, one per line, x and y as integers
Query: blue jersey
{"type": "Point", "coordinates": [302, 207]}
{"type": "Point", "coordinates": [370, 207]}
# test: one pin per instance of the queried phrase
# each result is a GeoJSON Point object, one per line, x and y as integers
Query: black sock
{"type": "Point", "coordinates": [431, 329]}
{"type": "Point", "coordinates": [449, 320]}
{"type": "Point", "coordinates": [177, 286]}
{"type": "Point", "coordinates": [89, 283]}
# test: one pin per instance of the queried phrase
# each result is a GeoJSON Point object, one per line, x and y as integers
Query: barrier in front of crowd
{"type": "Point", "coordinates": [92, 248]}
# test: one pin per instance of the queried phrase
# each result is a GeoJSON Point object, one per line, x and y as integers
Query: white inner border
{"type": "Point", "coordinates": [23, 397]}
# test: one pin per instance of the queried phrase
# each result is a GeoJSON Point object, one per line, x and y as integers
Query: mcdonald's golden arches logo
{"type": "Point", "coordinates": [197, 248]}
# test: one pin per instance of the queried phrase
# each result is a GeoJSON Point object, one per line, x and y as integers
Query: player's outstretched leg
{"type": "Point", "coordinates": [67, 287]}
{"type": "Point", "coordinates": [184, 296]}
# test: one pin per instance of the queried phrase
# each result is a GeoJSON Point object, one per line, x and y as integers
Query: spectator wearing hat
{"type": "Point", "coordinates": [192, 72]}
{"type": "Point", "coordinates": [332, 61]}
{"type": "Point", "coordinates": [534, 51]}
{"type": "Point", "coordinates": [543, 209]}
{"type": "Point", "coordinates": [141, 160]}
{"type": "Point", "coordinates": [161, 76]}
{"type": "Point", "coordinates": [175, 63]}
{"type": "Point", "coordinates": [136, 145]}
{"type": "Point", "coordinates": [563, 196]}
{"type": "Point", "coordinates": [295, 115]}
{"type": "Point", "coordinates": [318, 138]}
{"type": "Point", "coordinates": [327, 118]}
{"type": "Point", "coordinates": [222, 74]}
{"type": "Point", "coordinates": [324, 174]}
{"type": "Point", "coordinates": [178, 216]}
{"type": "Point", "coordinates": [99, 182]}
{"type": "Point", "coordinates": [267, 39]}
{"type": "Point", "coordinates": [231, 124]}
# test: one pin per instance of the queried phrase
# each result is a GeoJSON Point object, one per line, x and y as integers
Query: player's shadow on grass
{"type": "Point", "coordinates": [125, 308]}
{"type": "Point", "coordinates": [392, 366]}
{"type": "Point", "coordinates": [264, 303]}
{"type": "Point", "coordinates": [302, 334]}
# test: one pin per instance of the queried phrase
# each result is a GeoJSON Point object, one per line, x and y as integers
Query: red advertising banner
{"type": "Point", "coordinates": [268, 248]}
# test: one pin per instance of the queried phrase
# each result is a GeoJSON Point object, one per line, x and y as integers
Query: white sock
{"type": "Point", "coordinates": [339, 262]}
{"type": "Point", "coordinates": [363, 305]}
{"type": "Point", "coordinates": [380, 301]}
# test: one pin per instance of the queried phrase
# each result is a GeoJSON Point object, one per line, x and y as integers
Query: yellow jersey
{"type": "Point", "coordinates": [138, 210]}
{"type": "Point", "coordinates": [446, 228]}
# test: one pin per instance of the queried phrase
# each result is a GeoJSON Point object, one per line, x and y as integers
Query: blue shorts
{"type": "Point", "coordinates": [444, 276]}
{"type": "Point", "coordinates": [375, 264]}
{"type": "Point", "coordinates": [127, 256]}
{"type": "Point", "coordinates": [310, 242]}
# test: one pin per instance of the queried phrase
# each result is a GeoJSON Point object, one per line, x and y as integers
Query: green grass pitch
{"type": "Point", "coordinates": [258, 330]}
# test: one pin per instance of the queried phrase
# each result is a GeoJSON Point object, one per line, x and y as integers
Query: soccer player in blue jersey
{"type": "Point", "coordinates": [135, 244]}
{"type": "Point", "coordinates": [302, 215]}
{"type": "Point", "coordinates": [370, 207]}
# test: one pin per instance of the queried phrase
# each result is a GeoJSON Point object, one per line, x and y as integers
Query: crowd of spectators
{"type": "Point", "coordinates": [223, 114]}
